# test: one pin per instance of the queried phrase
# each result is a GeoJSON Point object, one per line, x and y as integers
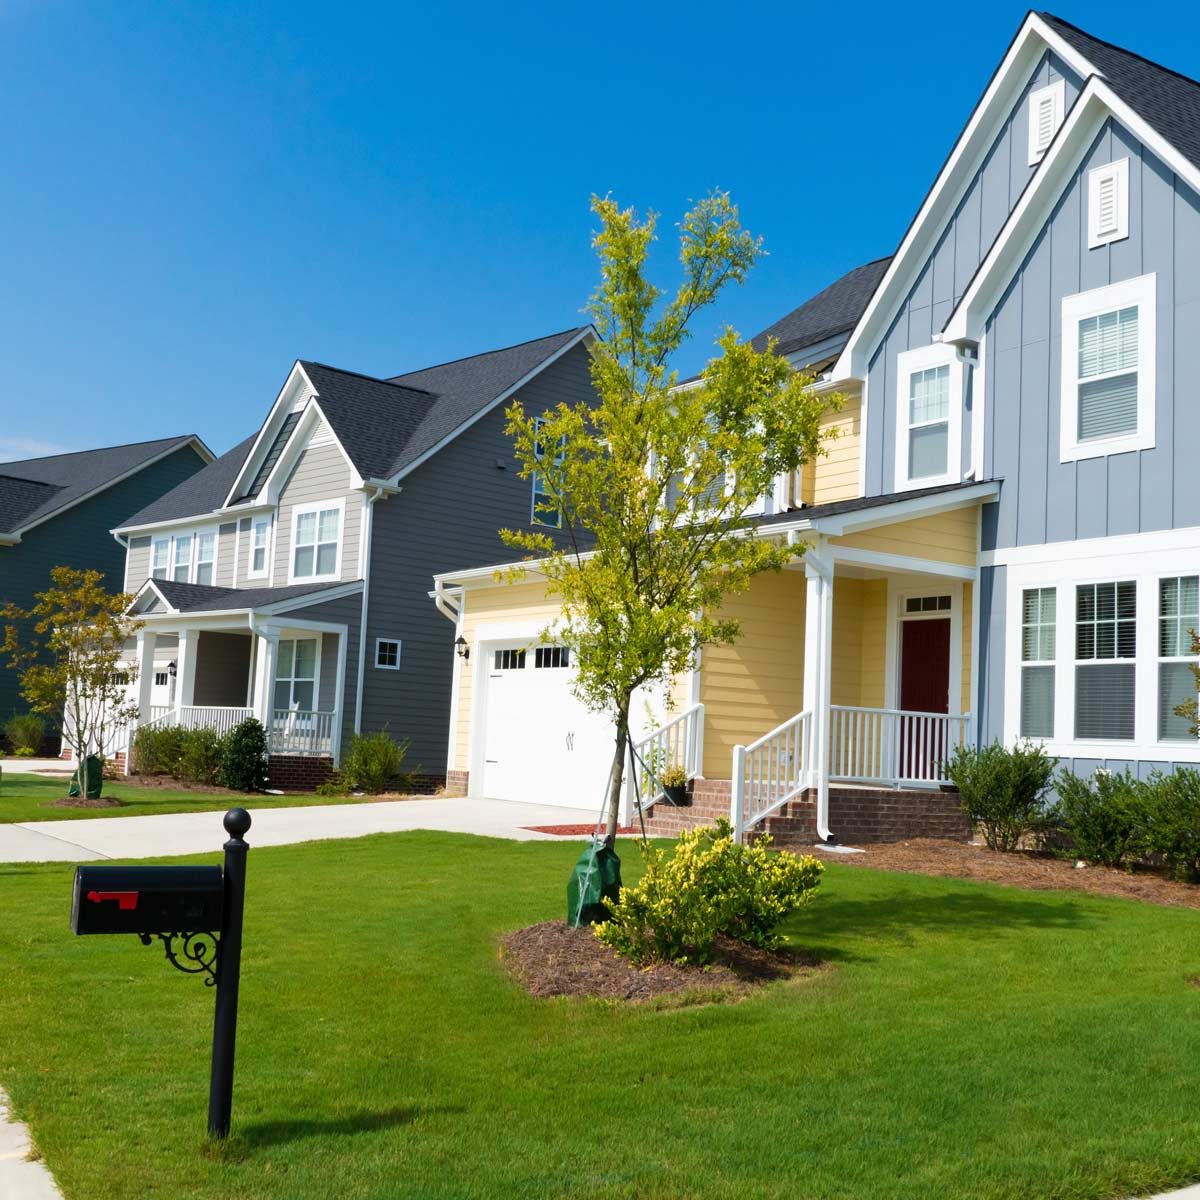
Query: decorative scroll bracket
{"type": "Point", "coordinates": [197, 953]}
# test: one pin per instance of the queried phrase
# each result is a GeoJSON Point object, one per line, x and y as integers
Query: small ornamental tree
{"type": "Point", "coordinates": [650, 485]}
{"type": "Point", "coordinates": [1189, 708]}
{"type": "Point", "coordinates": [69, 649]}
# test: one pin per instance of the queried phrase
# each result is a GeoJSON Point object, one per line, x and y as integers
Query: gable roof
{"type": "Point", "coordinates": [834, 310]}
{"type": "Point", "coordinates": [198, 597]}
{"type": "Point", "coordinates": [34, 489]}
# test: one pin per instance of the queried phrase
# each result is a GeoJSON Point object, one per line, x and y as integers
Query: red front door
{"type": "Point", "coordinates": [924, 688]}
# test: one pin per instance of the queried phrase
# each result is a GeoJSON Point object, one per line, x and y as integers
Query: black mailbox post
{"type": "Point", "coordinates": [197, 914]}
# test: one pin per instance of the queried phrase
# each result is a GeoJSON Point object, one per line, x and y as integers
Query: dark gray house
{"type": "Point", "coordinates": [290, 578]}
{"type": "Point", "coordinates": [57, 512]}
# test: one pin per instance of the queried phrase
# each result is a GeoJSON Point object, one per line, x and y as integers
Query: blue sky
{"type": "Point", "coordinates": [197, 194]}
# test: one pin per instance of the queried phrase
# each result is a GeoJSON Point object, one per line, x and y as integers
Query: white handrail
{"type": "Point", "coordinates": [296, 731]}
{"type": "Point", "coordinates": [217, 717]}
{"type": "Point", "coordinates": [769, 772]}
{"type": "Point", "coordinates": [678, 743]}
{"type": "Point", "coordinates": [892, 745]}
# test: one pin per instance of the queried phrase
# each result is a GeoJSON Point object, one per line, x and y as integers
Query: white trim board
{"type": "Point", "coordinates": [1125, 544]}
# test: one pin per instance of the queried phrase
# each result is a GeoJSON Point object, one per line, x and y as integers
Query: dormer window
{"type": "Point", "coordinates": [1108, 204]}
{"type": "Point", "coordinates": [1046, 107]}
{"type": "Point", "coordinates": [928, 417]}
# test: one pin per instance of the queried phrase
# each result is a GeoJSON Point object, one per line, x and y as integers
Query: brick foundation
{"type": "Point", "coordinates": [298, 772]}
{"type": "Point", "coordinates": [427, 785]}
{"type": "Point", "coordinates": [457, 782]}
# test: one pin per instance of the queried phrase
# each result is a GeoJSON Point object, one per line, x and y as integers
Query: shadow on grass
{"type": "Point", "coordinates": [276, 1133]}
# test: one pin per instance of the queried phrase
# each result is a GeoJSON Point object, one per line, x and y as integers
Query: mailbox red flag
{"type": "Point", "coordinates": [126, 901]}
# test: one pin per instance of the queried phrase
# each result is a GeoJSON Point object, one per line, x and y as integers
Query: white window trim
{"type": "Point", "coordinates": [301, 635]}
{"type": "Point", "coordinates": [318, 507]}
{"type": "Point", "coordinates": [216, 545]}
{"type": "Point", "coordinates": [1057, 93]}
{"type": "Point", "coordinates": [399, 651]}
{"type": "Point", "coordinates": [1026, 663]}
{"type": "Point", "coordinates": [1161, 659]}
{"type": "Point", "coordinates": [1109, 565]}
{"type": "Point", "coordinates": [172, 543]}
{"type": "Point", "coordinates": [251, 573]}
{"type": "Point", "coordinates": [908, 363]}
{"type": "Point", "coordinates": [1141, 291]}
{"type": "Point", "coordinates": [1119, 172]}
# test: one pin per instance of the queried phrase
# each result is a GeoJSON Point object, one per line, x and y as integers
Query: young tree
{"type": "Point", "coordinates": [651, 485]}
{"type": "Point", "coordinates": [1189, 709]}
{"type": "Point", "coordinates": [69, 650]}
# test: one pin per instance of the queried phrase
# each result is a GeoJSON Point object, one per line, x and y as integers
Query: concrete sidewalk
{"type": "Point", "coordinates": [197, 833]}
{"type": "Point", "coordinates": [21, 1178]}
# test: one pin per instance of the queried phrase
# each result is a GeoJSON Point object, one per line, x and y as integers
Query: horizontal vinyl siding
{"type": "Point", "coordinates": [834, 476]}
{"type": "Point", "coordinates": [320, 474]}
{"type": "Point", "coordinates": [346, 611]}
{"type": "Point", "coordinates": [226, 544]}
{"type": "Point", "coordinates": [222, 669]}
{"type": "Point", "coordinates": [950, 537]}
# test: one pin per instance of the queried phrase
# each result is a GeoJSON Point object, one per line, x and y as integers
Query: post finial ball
{"type": "Point", "coordinates": [237, 822]}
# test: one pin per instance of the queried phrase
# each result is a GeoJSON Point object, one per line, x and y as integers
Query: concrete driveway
{"type": "Point", "coordinates": [195, 833]}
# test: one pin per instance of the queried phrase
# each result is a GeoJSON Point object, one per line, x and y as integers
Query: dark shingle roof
{"type": "Point", "coordinates": [832, 311]}
{"type": "Point", "coordinates": [814, 512]}
{"type": "Point", "coordinates": [1166, 99]}
{"type": "Point", "coordinates": [198, 597]}
{"type": "Point", "coordinates": [201, 493]}
{"type": "Point", "coordinates": [34, 488]}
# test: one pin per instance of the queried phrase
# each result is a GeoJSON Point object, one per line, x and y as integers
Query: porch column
{"type": "Point", "coordinates": [818, 655]}
{"type": "Point", "coordinates": [146, 640]}
{"type": "Point", "coordinates": [185, 669]}
{"type": "Point", "coordinates": [264, 682]}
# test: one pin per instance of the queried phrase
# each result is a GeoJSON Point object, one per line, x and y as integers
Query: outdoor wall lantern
{"type": "Point", "coordinates": [172, 669]}
{"type": "Point", "coordinates": [196, 912]}
{"type": "Point", "coordinates": [461, 648]}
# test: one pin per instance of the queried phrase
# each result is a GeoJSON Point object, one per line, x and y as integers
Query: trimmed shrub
{"type": "Point", "coordinates": [707, 886]}
{"type": "Point", "coordinates": [25, 732]}
{"type": "Point", "coordinates": [1173, 827]}
{"type": "Point", "coordinates": [157, 749]}
{"type": "Point", "coordinates": [374, 763]}
{"type": "Point", "coordinates": [243, 765]}
{"type": "Point", "coordinates": [199, 756]}
{"type": "Point", "coordinates": [1106, 816]}
{"type": "Point", "coordinates": [1003, 791]}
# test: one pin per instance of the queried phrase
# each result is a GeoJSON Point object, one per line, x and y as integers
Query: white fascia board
{"type": "Point", "coordinates": [486, 576]}
{"type": "Point", "coordinates": [333, 593]}
{"type": "Point", "coordinates": [904, 510]}
{"type": "Point", "coordinates": [1096, 103]}
{"type": "Point", "coordinates": [885, 561]}
{"type": "Point", "coordinates": [286, 393]}
{"type": "Point", "coordinates": [1032, 40]}
{"type": "Point", "coordinates": [151, 586]}
{"type": "Point", "coordinates": [297, 444]}
{"type": "Point", "coordinates": [200, 447]}
{"type": "Point", "coordinates": [200, 518]}
{"type": "Point", "coordinates": [588, 335]}
{"type": "Point", "coordinates": [9, 539]}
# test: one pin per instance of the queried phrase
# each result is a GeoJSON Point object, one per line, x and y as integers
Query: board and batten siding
{"type": "Point", "coordinates": [447, 517]}
{"type": "Point", "coordinates": [321, 473]}
{"type": "Point", "coordinates": [1043, 499]}
{"type": "Point", "coordinates": [977, 220]}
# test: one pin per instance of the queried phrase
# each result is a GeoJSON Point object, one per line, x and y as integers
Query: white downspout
{"type": "Point", "coordinates": [365, 559]}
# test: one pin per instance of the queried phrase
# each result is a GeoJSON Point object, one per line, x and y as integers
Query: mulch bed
{"type": "Point", "coordinates": [84, 802]}
{"type": "Point", "coordinates": [552, 959]}
{"type": "Point", "coordinates": [573, 830]}
{"type": "Point", "coordinates": [1026, 869]}
{"type": "Point", "coordinates": [166, 783]}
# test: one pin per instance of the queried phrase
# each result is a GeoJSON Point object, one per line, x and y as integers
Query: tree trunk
{"type": "Point", "coordinates": [617, 774]}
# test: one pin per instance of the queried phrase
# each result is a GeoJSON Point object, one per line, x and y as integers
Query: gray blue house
{"type": "Point", "coordinates": [1004, 540]}
{"type": "Point", "coordinates": [290, 578]}
{"type": "Point", "coordinates": [57, 512]}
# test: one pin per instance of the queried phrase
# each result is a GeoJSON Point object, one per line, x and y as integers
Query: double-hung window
{"type": "Point", "coordinates": [160, 558]}
{"type": "Point", "coordinates": [185, 557]}
{"type": "Point", "coordinates": [928, 417]}
{"type": "Point", "coordinates": [296, 674]}
{"type": "Point", "coordinates": [545, 509]}
{"type": "Point", "coordinates": [181, 562]}
{"type": "Point", "coordinates": [260, 540]}
{"type": "Point", "coordinates": [1108, 370]}
{"type": "Point", "coordinates": [316, 541]}
{"type": "Point", "coordinates": [206, 556]}
{"type": "Point", "coordinates": [1105, 650]}
{"type": "Point", "coordinates": [1038, 608]}
{"type": "Point", "coordinates": [1178, 618]}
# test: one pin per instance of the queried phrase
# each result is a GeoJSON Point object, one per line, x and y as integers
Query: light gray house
{"type": "Point", "coordinates": [290, 578]}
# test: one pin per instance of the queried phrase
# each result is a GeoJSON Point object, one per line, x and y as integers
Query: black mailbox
{"type": "Point", "coordinates": [147, 900]}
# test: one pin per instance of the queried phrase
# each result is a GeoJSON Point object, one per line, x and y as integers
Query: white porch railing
{"type": "Point", "coordinates": [893, 746]}
{"type": "Point", "coordinates": [154, 714]}
{"type": "Point", "coordinates": [678, 743]}
{"type": "Point", "coordinates": [770, 772]}
{"type": "Point", "coordinates": [209, 717]}
{"type": "Point", "coordinates": [295, 731]}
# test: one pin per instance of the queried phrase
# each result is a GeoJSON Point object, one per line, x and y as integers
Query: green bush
{"type": "Point", "coordinates": [1004, 791]}
{"type": "Point", "coordinates": [1173, 826]}
{"type": "Point", "coordinates": [199, 756]}
{"type": "Point", "coordinates": [708, 885]}
{"type": "Point", "coordinates": [1106, 816]}
{"type": "Point", "coordinates": [243, 765]}
{"type": "Point", "coordinates": [374, 763]}
{"type": "Point", "coordinates": [157, 749]}
{"type": "Point", "coordinates": [25, 732]}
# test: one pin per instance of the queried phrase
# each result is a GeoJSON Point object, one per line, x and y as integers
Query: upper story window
{"type": "Point", "coordinates": [1108, 370]}
{"type": "Point", "coordinates": [185, 557]}
{"type": "Point", "coordinates": [1108, 203]}
{"type": "Point", "coordinates": [545, 510]}
{"type": "Point", "coordinates": [181, 564]}
{"type": "Point", "coordinates": [928, 417]}
{"type": "Point", "coordinates": [1046, 107]}
{"type": "Point", "coordinates": [206, 557]}
{"type": "Point", "coordinates": [260, 540]}
{"type": "Point", "coordinates": [317, 541]}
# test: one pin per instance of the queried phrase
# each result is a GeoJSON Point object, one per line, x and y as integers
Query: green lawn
{"type": "Point", "coordinates": [970, 1041]}
{"type": "Point", "coordinates": [30, 797]}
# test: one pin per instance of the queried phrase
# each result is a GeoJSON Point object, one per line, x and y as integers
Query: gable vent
{"type": "Point", "coordinates": [1108, 203]}
{"type": "Point", "coordinates": [1045, 116]}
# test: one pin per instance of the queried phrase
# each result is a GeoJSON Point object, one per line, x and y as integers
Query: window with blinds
{"type": "Point", "coordinates": [1108, 203]}
{"type": "Point", "coordinates": [1178, 617]}
{"type": "Point", "coordinates": [1105, 647]}
{"type": "Point", "coordinates": [1108, 374]}
{"type": "Point", "coordinates": [1046, 107]}
{"type": "Point", "coordinates": [928, 422]}
{"type": "Point", "coordinates": [1038, 608]}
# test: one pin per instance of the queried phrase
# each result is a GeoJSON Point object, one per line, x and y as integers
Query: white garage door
{"type": "Point", "coordinates": [540, 744]}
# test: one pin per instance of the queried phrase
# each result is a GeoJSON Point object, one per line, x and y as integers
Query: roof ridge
{"type": "Point", "coordinates": [545, 337]}
{"type": "Point", "coordinates": [1150, 62]}
{"type": "Point", "coordinates": [12, 462]}
{"type": "Point", "coordinates": [363, 375]}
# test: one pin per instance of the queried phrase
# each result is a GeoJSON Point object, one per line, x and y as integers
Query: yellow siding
{"type": "Point", "coordinates": [874, 642]}
{"type": "Point", "coordinates": [948, 537]}
{"type": "Point", "coordinates": [834, 476]}
{"type": "Point", "coordinates": [487, 606]}
{"type": "Point", "coordinates": [750, 687]}
{"type": "Point", "coordinates": [846, 653]}
{"type": "Point", "coordinates": [968, 701]}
